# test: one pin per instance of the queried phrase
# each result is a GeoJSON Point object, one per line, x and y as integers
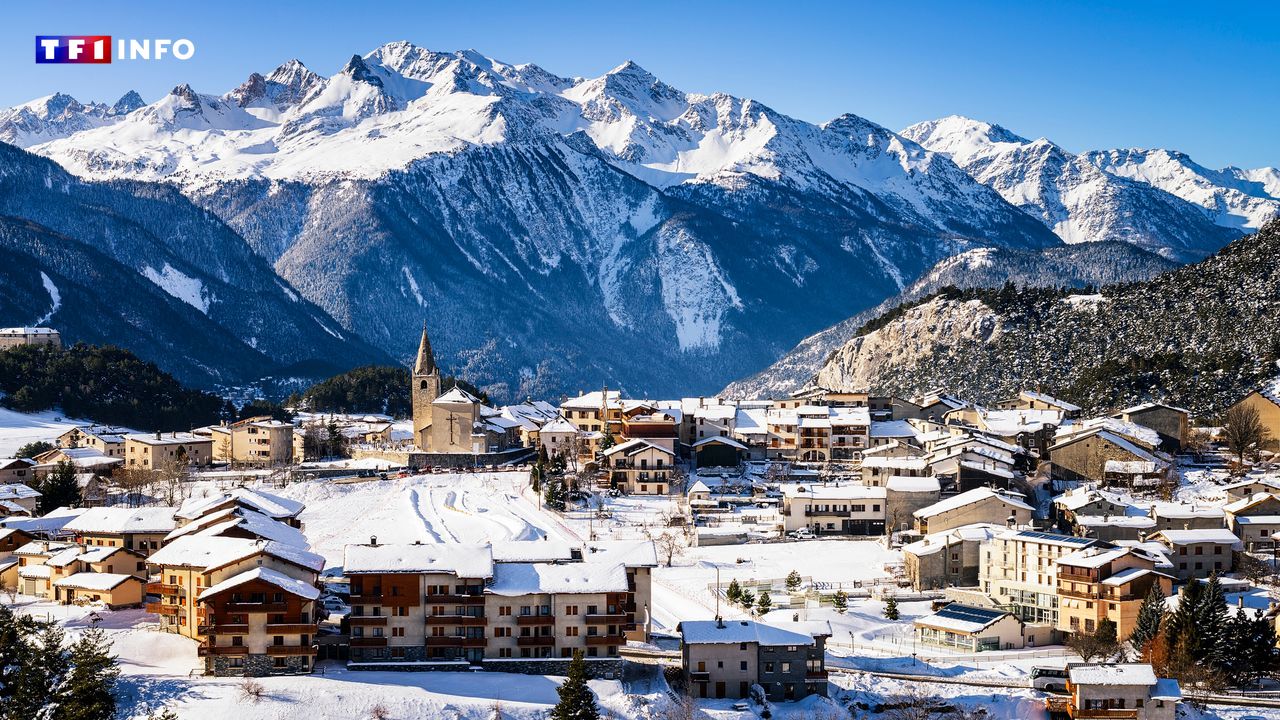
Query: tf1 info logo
{"type": "Point", "coordinates": [96, 49]}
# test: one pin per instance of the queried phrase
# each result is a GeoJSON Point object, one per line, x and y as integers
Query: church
{"type": "Point", "coordinates": [453, 422]}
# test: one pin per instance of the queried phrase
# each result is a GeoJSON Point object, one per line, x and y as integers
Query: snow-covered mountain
{"type": "Point", "coordinates": [560, 233]}
{"type": "Point", "coordinates": [1156, 199]}
{"type": "Point", "coordinates": [58, 115]}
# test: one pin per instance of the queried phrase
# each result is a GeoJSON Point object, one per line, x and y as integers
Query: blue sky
{"type": "Point", "coordinates": [1196, 76]}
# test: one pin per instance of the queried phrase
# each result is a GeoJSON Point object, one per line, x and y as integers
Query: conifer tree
{"type": "Point", "coordinates": [1147, 625]}
{"type": "Point", "coordinates": [87, 692]}
{"type": "Point", "coordinates": [734, 592]}
{"type": "Point", "coordinates": [891, 608]}
{"type": "Point", "coordinates": [748, 599]}
{"type": "Point", "coordinates": [553, 496]}
{"type": "Point", "coordinates": [41, 671]}
{"type": "Point", "coordinates": [59, 488]}
{"type": "Point", "coordinates": [765, 603]}
{"type": "Point", "coordinates": [840, 601]}
{"type": "Point", "coordinates": [1210, 625]}
{"type": "Point", "coordinates": [793, 581]}
{"type": "Point", "coordinates": [576, 700]}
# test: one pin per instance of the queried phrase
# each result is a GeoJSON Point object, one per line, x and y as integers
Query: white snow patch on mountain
{"type": "Point", "coordinates": [695, 293]}
{"type": "Point", "coordinates": [413, 286]}
{"type": "Point", "coordinates": [54, 295]}
{"type": "Point", "coordinates": [187, 289]}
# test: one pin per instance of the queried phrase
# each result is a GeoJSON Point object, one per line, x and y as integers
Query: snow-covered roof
{"type": "Point", "coordinates": [35, 571]}
{"type": "Point", "coordinates": [1132, 433]}
{"type": "Point", "coordinates": [1007, 423]}
{"type": "Point", "coordinates": [892, 429]}
{"type": "Point", "coordinates": [833, 492]}
{"type": "Point", "coordinates": [1217, 536]}
{"type": "Point", "coordinates": [559, 425]}
{"type": "Point", "coordinates": [732, 632]}
{"type": "Point", "coordinates": [52, 522]}
{"type": "Point", "coordinates": [64, 558]}
{"type": "Point", "coordinates": [1049, 400]}
{"type": "Point", "coordinates": [81, 457]}
{"type": "Point", "coordinates": [512, 579]}
{"type": "Point", "coordinates": [18, 491]}
{"type": "Point", "coordinates": [1096, 557]}
{"type": "Point", "coordinates": [99, 554]}
{"type": "Point", "coordinates": [968, 498]}
{"type": "Point", "coordinates": [43, 547]}
{"type": "Point", "coordinates": [935, 542]}
{"type": "Point", "coordinates": [212, 552]}
{"type": "Point", "coordinates": [1131, 521]}
{"type": "Point", "coordinates": [1074, 500]}
{"type": "Point", "coordinates": [986, 468]}
{"type": "Point", "coordinates": [895, 463]}
{"type": "Point", "coordinates": [258, 525]}
{"type": "Point", "coordinates": [907, 483]}
{"type": "Point", "coordinates": [290, 585]}
{"type": "Point", "coordinates": [1129, 575]}
{"type": "Point", "coordinates": [532, 550]}
{"type": "Point", "coordinates": [463, 560]}
{"type": "Point", "coordinates": [457, 395]}
{"type": "Point", "coordinates": [1047, 538]}
{"type": "Point", "coordinates": [629, 553]}
{"type": "Point", "coordinates": [1112, 674]}
{"type": "Point", "coordinates": [101, 582]}
{"type": "Point", "coordinates": [699, 487]}
{"type": "Point", "coordinates": [1183, 511]}
{"type": "Point", "coordinates": [636, 445]}
{"type": "Point", "coordinates": [28, 331]}
{"type": "Point", "coordinates": [966, 619]}
{"type": "Point", "coordinates": [1167, 689]}
{"type": "Point", "coordinates": [591, 401]}
{"type": "Point", "coordinates": [1248, 502]}
{"type": "Point", "coordinates": [174, 438]}
{"type": "Point", "coordinates": [268, 504]}
{"type": "Point", "coordinates": [719, 440]}
{"type": "Point", "coordinates": [1150, 405]}
{"type": "Point", "coordinates": [119, 521]}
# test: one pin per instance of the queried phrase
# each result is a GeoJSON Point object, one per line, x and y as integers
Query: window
{"type": "Point", "coordinates": [397, 632]}
{"type": "Point", "coordinates": [742, 666]}
{"type": "Point", "coordinates": [571, 631]}
{"type": "Point", "coordinates": [570, 609]}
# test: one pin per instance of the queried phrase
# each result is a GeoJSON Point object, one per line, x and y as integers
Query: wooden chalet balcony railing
{"type": "Point", "coordinates": [225, 629]}
{"type": "Point", "coordinates": [535, 620]}
{"type": "Point", "coordinates": [368, 642]}
{"type": "Point", "coordinates": [367, 620]}
{"type": "Point", "coordinates": [164, 609]}
{"type": "Point", "coordinates": [1078, 713]}
{"type": "Point", "coordinates": [205, 650]}
{"type": "Point", "coordinates": [536, 641]}
{"type": "Point", "coordinates": [290, 650]}
{"type": "Point", "coordinates": [598, 640]}
{"type": "Point", "coordinates": [252, 607]}
{"type": "Point", "coordinates": [291, 628]}
{"type": "Point", "coordinates": [159, 588]}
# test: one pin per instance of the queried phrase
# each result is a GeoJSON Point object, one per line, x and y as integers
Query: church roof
{"type": "Point", "coordinates": [458, 395]}
{"type": "Point", "coordinates": [426, 362]}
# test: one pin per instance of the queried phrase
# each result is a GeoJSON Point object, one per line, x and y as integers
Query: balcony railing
{"type": "Point", "coordinates": [291, 628]}
{"type": "Point", "coordinates": [1079, 713]}
{"type": "Point", "coordinates": [454, 599]}
{"type": "Point", "coordinates": [455, 641]}
{"type": "Point", "coordinates": [368, 642]}
{"type": "Point", "coordinates": [535, 620]}
{"type": "Point", "coordinates": [597, 640]}
{"type": "Point", "coordinates": [367, 620]}
{"type": "Point", "coordinates": [828, 513]}
{"type": "Point", "coordinates": [606, 618]}
{"type": "Point", "coordinates": [536, 641]}
{"type": "Point", "coordinates": [164, 609]}
{"type": "Point", "coordinates": [463, 620]}
{"type": "Point", "coordinates": [205, 650]}
{"type": "Point", "coordinates": [224, 629]}
{"type": "Point", "coordinates": [252, 607]}
{"type": "Point", "coordinates": [290, 650]}
{"type": "Point", "coordinates": [159, 588]}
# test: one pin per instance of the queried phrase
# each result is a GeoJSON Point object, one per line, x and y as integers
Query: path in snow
{"type": "Point", "coordinates": [415, 506]}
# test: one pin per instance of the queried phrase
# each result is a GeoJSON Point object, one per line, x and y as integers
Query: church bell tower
{"type": "Point", "coordinates": [424, 390]}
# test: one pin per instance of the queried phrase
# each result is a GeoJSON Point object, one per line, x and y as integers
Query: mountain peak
{"type": "Point", "coordinates": [359, 70]}
{"type": "Point", "coordinates": [187, 94]}
{"type": "Point", "coordinates": [631, 68]}
{"type": "Point", "coordinates": [127, 103]}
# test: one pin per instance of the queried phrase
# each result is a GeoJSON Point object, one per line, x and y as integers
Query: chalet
{"type": "Point", "coordinates": [16, 470]}
{"type": "Point", "coordinates": [114, 590]}
{"type": "Point", "coordinates": [273, 506]}
{"type": "Point", "coordinates": [84, 459]}
{"type": "Point", "coordinates": [106, 439]}
{"type": "Point", "coordinates": [980, 505]}
{"type": "Point", "coordinates": [259, 622]}
{"type": "Point", "coordinates": [639, 467]}
{"type": "Point", "coordinates": [18, 499]}
{"type": "Point", "coordinates": [726, 658]}
{"type": "Point", "coordinates": [1116, 691]}
{"type": "Point", "coordinates": [242, 522]}
{"type": "Point", "coordinates": [717, 451]}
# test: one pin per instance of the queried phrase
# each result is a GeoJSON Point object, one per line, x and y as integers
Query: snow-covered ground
{"type": "Point", "coordinates": [18, 429]}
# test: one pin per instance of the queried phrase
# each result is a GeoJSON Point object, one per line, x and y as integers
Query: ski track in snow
{"type": "Point", "coordinates": [415, 505]}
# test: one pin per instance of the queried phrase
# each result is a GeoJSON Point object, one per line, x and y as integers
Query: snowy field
{"type": "Point", "coordinates": [18, 429]}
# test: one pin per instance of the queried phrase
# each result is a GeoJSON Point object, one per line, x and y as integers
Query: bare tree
{"type": "Point", "coordinates": [251, 691]}
{"type": "Point", "coordinates": [669, 545]}
{"type": "Point", "coordinates": [1243, 430]}
{"type": "Point", "coordinates": [10, 592]}
{"type": "Point", "coordinates": [1101, 643]}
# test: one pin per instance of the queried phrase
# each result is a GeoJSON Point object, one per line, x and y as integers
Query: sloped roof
{"type": "Point", "coordinates": [463, 560]}
{"type": "Point", "coordinates": [290, 585]}
{"type": "Point", "coordinates": [117, 520]}
{"type": "Point", "coordinates": [733, 632]}
{"type": "Point", "coordinates": [967, 498]}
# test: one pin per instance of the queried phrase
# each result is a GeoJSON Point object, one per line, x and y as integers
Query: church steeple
{"type": "Point", "coordinates": [426, 362]}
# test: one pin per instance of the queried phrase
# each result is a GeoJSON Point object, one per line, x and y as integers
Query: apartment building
{"type": "Point", "coordinates": [1018, 571]}
{"type": "Point", "coordinates": [659, 427]}
{"type": "Point", "coordinates": [106, 439]}
{"type": "Point", "coordinates": [816, 433]}
{"type": "Point", "coordinates": [1099, 583]}
{"type": "Point", "coordinates": [639, 467]}
{"type": "Point", "coordinates": [141, 529]}
{"type": "Point", "coordinates": [259, 622]}
{"type": "Point", "coordinates": [834, 509]}
{"type": "Point", "coordinates": [16, 336]}
{"type": "Point", "coordinates": [518, 606]}
{"type": "Point", "coordinates": [725, 658]}
{"type": "Point", "coordinates": [158, 450]}
{"type": "Point", "coordinates": [186, 567]}
{"type": "Point", "coordinates": [259, 441]}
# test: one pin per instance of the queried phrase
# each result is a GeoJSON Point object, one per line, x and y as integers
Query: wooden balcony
{"type": "Point", "coordinates": [249, 607]}
{"type": "Point", "coordinates": [815, 675]}
{"type": "Point", "coordinates": [368, 642]}
{"type": "Point", "coordinates": [459, 620]}
{"type": "Point", "coordinates": [827, 513]}
{"type": "Point", "coordinates": [158, 588]}
{"type": "Point", "coordinates": [536, 641]}
{"type": "Point", "coordinates": [607, 618]}
{"type": "Point", "coordinates": [164, 609]}
{"type": "Point", "coordinates": [1078, 713]}
{"type": "Point", "coordinates": [598, 640]}
{"type": "Point", "coordinates": [453, 599]}
{"type": "Point", "coordinates": [292, 629]}
{"type": "Point", "coordinates": [456, 641]}
{"type": "Point", "coordinates": [290, 650]}
{"type": "Point", "coordinates": [224, 629]}
{"type": "Point", "coordinates": [367, 620]}
{"type": "Point", "coordinates": [535, 620]}
{"type": "Point", "coordinates": [205, 650]}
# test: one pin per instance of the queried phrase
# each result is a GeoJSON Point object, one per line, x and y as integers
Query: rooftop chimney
{"type": "Point", "coordinates": [373, 540]}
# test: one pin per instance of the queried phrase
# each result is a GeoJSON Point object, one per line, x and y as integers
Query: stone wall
{"type": "Point", "coordinates": [254, 666]}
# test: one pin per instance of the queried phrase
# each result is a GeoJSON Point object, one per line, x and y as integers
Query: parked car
{"type": "Point", "coordinates": [801, 534]}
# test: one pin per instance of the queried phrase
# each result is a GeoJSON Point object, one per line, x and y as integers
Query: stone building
{"type": "Point", "coordinates": [1199, 553]}
{"type": "Point", "coordinates": [1083, 457]}
{"type": "Point", "coordinates": [17, 336]}
{"type": "Point", "coordinates": [980, 505]}
{"type": "Point", "coordinates": [1170, 423]}
{"type": "Point", "coordinates": [948, 558]}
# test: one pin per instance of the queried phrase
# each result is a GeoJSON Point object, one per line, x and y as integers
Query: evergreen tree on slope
{"type": "Point", "coordinates": [576, 700]}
